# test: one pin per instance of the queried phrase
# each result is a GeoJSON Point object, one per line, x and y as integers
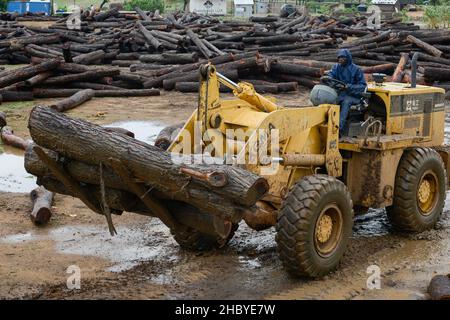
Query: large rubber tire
{"type": "Point", "coordinates": [193, 240]}
{"type": "Point", "coordinates": [297, 222]}
{"type": "Point", "coordinates": [417, 165]}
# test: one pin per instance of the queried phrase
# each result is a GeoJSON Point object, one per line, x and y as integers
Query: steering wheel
{"type": "Point", "coordinates": [333, 83]}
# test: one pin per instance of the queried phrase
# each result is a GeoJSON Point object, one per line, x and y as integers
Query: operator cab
{"type": "Point", "coordinates": [387, 111]}
{"type": "Point", "coordinates": [368, 117]}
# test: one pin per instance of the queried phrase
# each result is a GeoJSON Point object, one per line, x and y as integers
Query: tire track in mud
{"type": "Point", "coordinates": [250, 269]}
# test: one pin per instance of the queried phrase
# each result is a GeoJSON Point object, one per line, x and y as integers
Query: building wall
{"type": "Point", "coordinates": [218, 7]}
{"type": "Point", "coordinates": [243, 10]}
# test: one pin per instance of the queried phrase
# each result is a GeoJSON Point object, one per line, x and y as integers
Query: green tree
{"type": "Point", "coordinates": [146, 5]}
{"type": "Point", "coordinates": [3, 4]}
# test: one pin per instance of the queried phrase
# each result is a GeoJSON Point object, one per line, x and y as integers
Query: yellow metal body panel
{"type": "Point", "coordinates": [310, 131]}
{"type": "Point", "coordinates": [236, 123]}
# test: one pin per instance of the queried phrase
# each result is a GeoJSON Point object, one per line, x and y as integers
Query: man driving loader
{"type": "Point", "coordinates": [349, 73]}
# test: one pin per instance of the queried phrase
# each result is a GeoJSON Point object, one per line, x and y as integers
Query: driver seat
{"type": "Point", "coordinates": [363, 105]}
{"type": "Point", "coordinates": [356, 115]}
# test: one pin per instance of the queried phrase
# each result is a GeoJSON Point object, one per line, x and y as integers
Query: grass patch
{"type": "Point", "coordinates": [12, 66]}
{"type": "Point", "coordinates": [16, 105]}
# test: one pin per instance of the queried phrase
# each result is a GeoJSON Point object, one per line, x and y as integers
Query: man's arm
{"type": "Point", "coordinates": [359, 85]}
{"type": "Point", "coordinates": [333, 72]}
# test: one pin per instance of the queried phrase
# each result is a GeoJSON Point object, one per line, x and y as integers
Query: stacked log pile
{"type": "Point", "coordinates": [146, 50]}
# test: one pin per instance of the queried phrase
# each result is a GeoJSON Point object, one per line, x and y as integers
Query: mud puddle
{"type": "Point", "coordinates": [145, 131]}
{"type": "Point", "coordinates": [13, 177]}
{"type": "Point", "coordinates": [125, 250]}
{"type": "Point", "coordinates": [372, 223]}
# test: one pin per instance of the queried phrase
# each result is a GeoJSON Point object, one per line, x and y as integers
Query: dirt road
{"type": "Point", "coordinates": [143, 261]}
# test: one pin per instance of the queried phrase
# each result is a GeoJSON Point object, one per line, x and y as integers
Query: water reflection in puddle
{"type": "Point", "coordinates": [373, 223]}
{"type": "Point", "coordinates": [125, 250]}
{"type": "Point", "coordinates": [13, 177]}
{"type": "Point", "coordinates": [145, 131]}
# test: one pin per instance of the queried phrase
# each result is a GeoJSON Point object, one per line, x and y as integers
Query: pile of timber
{"type": "Point", "coordinates": [50, 78]}
{"type": "Point", "coordinates": [154, 51]}
{"type": "Point", "coordinates": [111, 172]}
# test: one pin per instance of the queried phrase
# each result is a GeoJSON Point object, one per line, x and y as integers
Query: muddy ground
{"type": "Point", "coordinates": [144, 262]}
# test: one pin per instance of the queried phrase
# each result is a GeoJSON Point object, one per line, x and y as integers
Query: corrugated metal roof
{"type": "Point", "coordinates": [384, 1]}
{"type": "Point", "coordinates": [243, 2]}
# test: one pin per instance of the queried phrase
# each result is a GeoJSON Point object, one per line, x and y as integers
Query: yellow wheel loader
{"type": "Point", "coordinates": [391, 157]}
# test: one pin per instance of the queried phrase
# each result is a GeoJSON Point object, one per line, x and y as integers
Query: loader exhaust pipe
{"type": "Point", "coordinates": [414, 69]}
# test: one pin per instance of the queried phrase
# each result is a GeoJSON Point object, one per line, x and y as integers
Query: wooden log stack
{"type": "Point", "coordinates": [111, 51]}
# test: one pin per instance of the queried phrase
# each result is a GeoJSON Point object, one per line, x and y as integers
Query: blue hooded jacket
{"type": "Point", "coordinates": [350, 73]}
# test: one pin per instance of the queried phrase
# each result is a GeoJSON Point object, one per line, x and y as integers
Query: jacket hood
{"type": "Point", "coordinates": [347, 54]}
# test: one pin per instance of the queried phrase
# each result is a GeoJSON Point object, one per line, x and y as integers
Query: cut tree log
{"type": "Point", "coordinates": [84, 76]}
{"type": "Point", "coordinates": [436, 73]}
{"type": "Point", "coordinates": [166, 136]}
{"type": "Point", "coordinates": [92, 144]}
{"type": "Point", "coordinates": [398, 74]}
{"type": "Point", "coordinates": [24, 73]}
{"type": "Point", "coordinates": [142, 14]}
{"type": "Point", "coordinates": [37, 79]}
{"type": "Point", "coordinates": [297, 70]}
{"type": "Point", "coordinates": [8, 138]}
{"type": "Point", "coordinates": [14, 95]}
{"type": "Point", "coordinates": [106, 14]}
{"type": "Point", "coordinates": [42, 205]}
{"type": "Point", "coordinates": [149, 37]}
{"type": "Point", "coordinates": [425, 46]}
{"type": "Point", "coordinates": [66, 52]}
{"type": "Point", "coordinates": [439, 287]}
{"type": "Point", "coordinates": [89, 58]}
{"type": "Point", "coordinates": [199, 43]}
{"type": "Point", "coordinates": [73, 101]}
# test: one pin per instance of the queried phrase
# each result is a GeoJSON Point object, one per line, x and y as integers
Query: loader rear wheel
{"type": "Point", "coordinates": [193, 240]}
{"type": "Point", "coordinates": [420, 190]}
{"type": "Point", "coordinates": [314, 224]}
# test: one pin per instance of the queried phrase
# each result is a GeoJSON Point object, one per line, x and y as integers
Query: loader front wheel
{"type": "Point", "coordinates": [420, 190]}
{"type": "Point", "coordinates": [314, 224]}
